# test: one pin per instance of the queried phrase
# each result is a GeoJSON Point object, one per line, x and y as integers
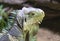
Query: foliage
{"type": "Point", "coordinates": [3, 18]}
{"type": "Point", "coordinates": [6, 20]}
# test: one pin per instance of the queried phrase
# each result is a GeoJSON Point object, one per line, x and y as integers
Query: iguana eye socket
{"type": "Point", "coordinates": [31, 14]}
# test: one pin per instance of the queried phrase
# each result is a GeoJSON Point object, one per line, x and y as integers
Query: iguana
{"type": "Point", "coordinates": [28, 19]}
{"type": "Point", "coordinates": [31, 17]}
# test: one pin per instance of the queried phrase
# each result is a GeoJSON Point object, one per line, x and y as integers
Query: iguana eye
{"type": "Point", "coordinates": [31, 14]}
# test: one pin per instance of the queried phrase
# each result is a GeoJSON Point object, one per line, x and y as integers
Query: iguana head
{"type": "Point", "coordinates": [35, 16]}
